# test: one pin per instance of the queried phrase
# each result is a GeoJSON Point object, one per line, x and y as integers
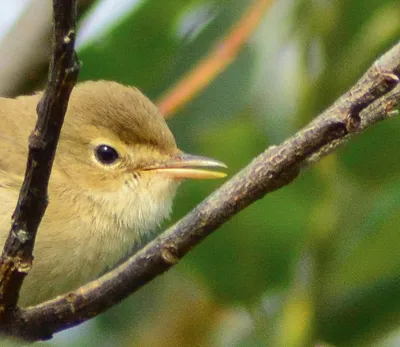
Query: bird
{"type": "Point", "coordinates": [115, 174]}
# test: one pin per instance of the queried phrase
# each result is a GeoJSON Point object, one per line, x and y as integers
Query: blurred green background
{"type": "Point", "coordinates": [316, 263]}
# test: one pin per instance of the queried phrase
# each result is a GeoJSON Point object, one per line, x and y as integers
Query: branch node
{"type": "Point", "coordinates": [74, 69]}
{"type": "Point", "coordinates": [68, 38]}
{"type": "Point", "coordinates": [23, 266]}
{"type": "Point", "coordinates": [22, 235]}
{"type": "Point", "coordinates": [392, 113]}
{"type": "Point", "coordinates": [352, 122]}
{"type": "Point", "coordinates": [36, 140]}
{"type": "Point", "coordinates": [169, 254]}
{"type": "Point", "coordinates": [391, 77]}
{"type": "Point", "coordinates": [390, 80]}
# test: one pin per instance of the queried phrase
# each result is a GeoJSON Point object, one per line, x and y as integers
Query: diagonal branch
{"type": "Point", "coordinates": [16, 259]}
{"type": "Point", "coordinates": [215, 62]}
{"type": "Point", "coordinates": [372, 99]}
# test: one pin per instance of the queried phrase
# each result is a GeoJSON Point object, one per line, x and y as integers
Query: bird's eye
{"type": "Point", "coordinates": [106, 154]}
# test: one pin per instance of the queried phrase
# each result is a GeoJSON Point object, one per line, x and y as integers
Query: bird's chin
{"type": "Point", "coordinates": [139, 206]}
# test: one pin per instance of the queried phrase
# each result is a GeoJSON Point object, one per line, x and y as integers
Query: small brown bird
{"type": "Point", "coordinates": [114, 177]}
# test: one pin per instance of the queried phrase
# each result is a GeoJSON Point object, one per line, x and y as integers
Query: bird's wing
{"type": "Point", "coordinates": [17, 118]}
{"type": "Point", "coordinates": [13, 160]}
{"type": "Point", "coordinates": [12, 167]}
{"type": "Point", "coordinates": [9, 190]}
{"type": "Point", "coordinates": [9, 181]}
{"type": "Point", "coordinates": [13, 153]}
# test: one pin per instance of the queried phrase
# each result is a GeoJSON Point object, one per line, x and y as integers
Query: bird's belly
{"type": "Point", "coordinates": [62, 264]}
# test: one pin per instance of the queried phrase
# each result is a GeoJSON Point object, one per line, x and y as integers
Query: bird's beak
{"type": "Point", "coordinates": [188, 166]}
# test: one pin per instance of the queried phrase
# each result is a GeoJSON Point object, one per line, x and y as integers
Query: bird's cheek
{"type": "Point", "coordinates": [165, 175]}
{"type": "Point", "coordinates": [166, 181]}
{"type": "Point", "coordinates": [99, 182]}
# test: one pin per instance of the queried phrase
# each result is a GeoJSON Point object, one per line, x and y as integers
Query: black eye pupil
{"type": "Point", "coordinates": [106, 154]}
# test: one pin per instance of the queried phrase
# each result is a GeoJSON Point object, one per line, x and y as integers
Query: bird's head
{"type": "Point", "coordinates": [117, 151]}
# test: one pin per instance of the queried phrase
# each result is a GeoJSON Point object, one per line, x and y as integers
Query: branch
{"type": "Point", "coordinates": [215, 62]}
{"type": "Point", "coordinates": [16, 259]}
{"type": "Point", "coordinates": [372, 99]}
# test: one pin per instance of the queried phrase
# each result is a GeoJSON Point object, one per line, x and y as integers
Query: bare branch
{"type": "Point", "coordinates": [16, 259]}
{"type": "Point", "coordinates": [372, 99]}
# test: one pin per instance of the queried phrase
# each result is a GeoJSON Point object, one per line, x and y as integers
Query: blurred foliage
{"type": "Point", "coordinates": [315, 263]}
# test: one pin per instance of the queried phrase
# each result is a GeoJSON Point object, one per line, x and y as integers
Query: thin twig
{"type": "Point", "coordinates": [372, 99]}
{"type": "Point", "coordinates": [215, 62]}
{"type": "Point", "coordinates": [16, 259]}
